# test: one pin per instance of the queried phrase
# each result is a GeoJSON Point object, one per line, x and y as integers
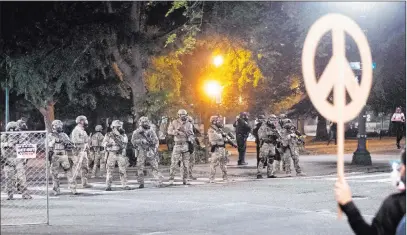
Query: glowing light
{"type": "Point", "coordinates": [218, 60]}
{"type": "Point", "coordinates": [213, 88]}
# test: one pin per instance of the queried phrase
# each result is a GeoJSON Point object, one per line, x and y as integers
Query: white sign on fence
{"type": "Point", "coordinates": [26, 150]}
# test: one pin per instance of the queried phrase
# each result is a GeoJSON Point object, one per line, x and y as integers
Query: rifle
{"type": "Point", "coordinates": [228, 138]}
{"type": "Point", "coordinates": [190, 144]}
{"type": "Point", "coordinates": [118, 141]}
{"type": "Point", "coordinates": [150, 143]}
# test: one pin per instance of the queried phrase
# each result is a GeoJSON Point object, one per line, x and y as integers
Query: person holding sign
{"type": "Point", "coordinates": [399, 121]}
{"type": "Point", "coordinates": [387, 218]}
{"type": "Point", "coordinates": [14, 167]}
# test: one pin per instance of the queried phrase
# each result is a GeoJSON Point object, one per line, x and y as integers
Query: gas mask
{"type": "Point", "coordinates": [219, 124]}
{"type": "Point", "coordinates": [59, 129]}
{"type": "Point", "coordinates": [184, 118]}
{"type": "Point", "coordinates": [121, 130]}
{"type": "Point", "coordinates": [23, 127]}
{"type": "Point", "coordinates": [145, 126]}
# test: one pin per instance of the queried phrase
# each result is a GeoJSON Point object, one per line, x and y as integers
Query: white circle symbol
{"type": "Point", "coordinates": [338, 74]}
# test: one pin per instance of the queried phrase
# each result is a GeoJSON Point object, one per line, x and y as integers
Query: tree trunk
{"type": "Point", "coordinates": [322, 133]}
{"type": "Point", "coordinates": [301, 124]}
{"type": "Point", "coordinates": [49, 115]}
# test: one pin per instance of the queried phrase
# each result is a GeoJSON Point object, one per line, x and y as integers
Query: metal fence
{"type": "Point", "coordinates": [24, 178]}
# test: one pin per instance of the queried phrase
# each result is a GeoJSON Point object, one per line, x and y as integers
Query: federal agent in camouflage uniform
{"type": "Point", "coordinates": [182, 131]}
{"type": "Point", "coordinates": [268, 137]}
{"type": "Point", "coordinates": [14, 168]}
{"type": "Point", "coordinates": [58, 143]}
{"type": "Point", "coordinates": [97, 155]}
{"type": "Point", "coordinates": [293, 137]}
{"type": "Point", "coordinates": [80, 139]}
{"type": "Point", "coordinates": [281, 120]}
{"type": "Point", "coordinates": [218, 153]}
{"type": "Point", "coordinates": [290, 149]}
{"type": "Point", "coordinates": [146, 141]}
{"type": "Point", "coordinates": [114, 143]}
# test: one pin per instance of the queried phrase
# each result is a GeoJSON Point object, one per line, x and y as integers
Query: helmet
{"type": "Point", "coordinates": [116, 123]}
{"type": "Point", "coordinates": [182, 112]}
{"type": "Point", "coordinates": [243, 115]}
{"type": "Point", "coordinates": [282, 116]}
{"type": "Point", "coordinates": [57, 125]}
{"type": "Point", "coordinates": [261, 117]}
{"type": "Point", "coordinates": [98, 128]}
{"type": "Point", "coordinates": [272, 116]}
{"type": "Point", "coordinates": [214, 119]}
{"type": "Point", "coordinates": [143, 119]}
{"type": "Point", "coordinates": [80, 118]}
{"type": "Point", "coordinates": [287, 120]}
{"type": "Point", "coordinates": [12, 126]}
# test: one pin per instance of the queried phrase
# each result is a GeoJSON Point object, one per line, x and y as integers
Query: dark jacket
{"type": "Point", "coordinates": [242, 127]}
{"type": "Point", "coordinates": [386, 220]}
{"type": "Point", "coordinates": [256, 131]}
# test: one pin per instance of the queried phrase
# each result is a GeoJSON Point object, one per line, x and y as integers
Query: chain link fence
{"type": "Point", "coordinates": [24, 178]}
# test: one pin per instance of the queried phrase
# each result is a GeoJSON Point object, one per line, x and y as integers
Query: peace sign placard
{"type": "Point", "coordinates": [337, 76]}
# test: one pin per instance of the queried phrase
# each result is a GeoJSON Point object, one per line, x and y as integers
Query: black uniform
{"type": "Point", "coordinates": [242, 132]}
{"type": "Point", "coordinates": [256, 136]}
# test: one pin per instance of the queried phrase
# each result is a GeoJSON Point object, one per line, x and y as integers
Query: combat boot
{"type": "Point", "coordinates": [186, 182]}
{"type": "Point", "coordinates": [259, 177]}
{"type": "Point", "coordinates": [126, 188]}
{"type": "Point", "coordinates": [56, 191]}
{"type": "Point", "coordinates": [271, 176]}
{"type": "Point", "coordinates": [301, 174]}
{"type": "Point", "coordinates": [26, 196]}
{"type": "Point", "coordinates": [192, 177]}
{"type": "Point", "coordinates": [10, 195]}
{"type": "Point", "coordinates": [141, 186]}
{"type": "Point", "coordinates": [85, 184]}
{"type": "Point", "coordinates": [73, 191]}
{"type": "Point", "coordinates": [108, 188]}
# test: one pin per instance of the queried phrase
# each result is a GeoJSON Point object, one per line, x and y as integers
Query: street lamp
{"type": "Point", "coordinates": [214, 90]}
{"type": "Point", "coordinates": [217, 60]}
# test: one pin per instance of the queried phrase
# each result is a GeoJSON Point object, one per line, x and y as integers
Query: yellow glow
{"type": "Point", "coordinates": [213, 88]}
{"type": "Point", "coordinates": [218, 60]}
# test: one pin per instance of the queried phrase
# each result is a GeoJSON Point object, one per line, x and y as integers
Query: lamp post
{"type": "Point", "coordinates": [361, 156]}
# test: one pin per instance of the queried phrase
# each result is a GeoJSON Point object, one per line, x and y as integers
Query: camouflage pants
{"type": "Point", "coordinates": [267, 153]}
{"type": "Point", "coordinates": [218, 158]}
{"type": "Point", "coordinates": [191, 163]}
{"type": "Point", "coordinates": [14, 171]}
{"type": "Point", "coordinates": [294, 153]}
{"type": "Point", "coordinates": [57, 162]}
{"type": "Point", "coordinates": [98, 159]}
{"type": "Point", "coordinates": [112, 158]}
{"type": "Point", "coordinates": [80, 164]}
{"type": "Point", "coordinates": [180, 153]}
{"type": "Point", "coordinates": [143, 156]}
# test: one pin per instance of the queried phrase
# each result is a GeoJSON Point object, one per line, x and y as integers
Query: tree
{"type": "Point", "coordinates": [51, 57]}
{"type": "Point", "coordinates": [183, 78]}
{"type": "Point", "coordinates": [144, 31]}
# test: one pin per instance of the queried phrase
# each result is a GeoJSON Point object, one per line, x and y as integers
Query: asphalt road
{"type": "Point", "coordinates": [269, 206]}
